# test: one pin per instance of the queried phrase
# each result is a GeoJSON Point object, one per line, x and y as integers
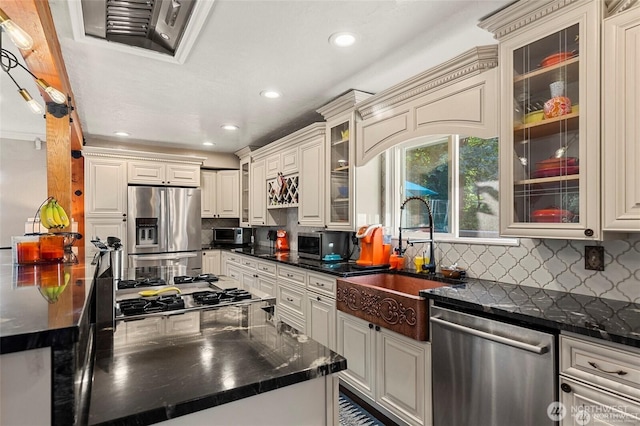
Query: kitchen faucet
{"type": "Point", "coordinates": [431, 266]}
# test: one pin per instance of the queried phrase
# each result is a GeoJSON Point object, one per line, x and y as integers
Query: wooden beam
{"type": "Point", "coordinates": [59, 160]}
{"type": "Point", "coordinates": [45, 58]}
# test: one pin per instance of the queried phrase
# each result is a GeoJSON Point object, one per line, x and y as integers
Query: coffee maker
{"type": "Point", "coordinates": [373, 252]}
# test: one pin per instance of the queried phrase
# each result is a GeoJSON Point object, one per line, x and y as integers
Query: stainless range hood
{"type": "Point", "coordinates": [156, 25]}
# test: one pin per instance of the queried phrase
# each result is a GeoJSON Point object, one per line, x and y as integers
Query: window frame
{"type": "Point", "coordinates": [395, 176]}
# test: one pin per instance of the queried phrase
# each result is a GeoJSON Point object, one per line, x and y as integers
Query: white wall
{"type": "Point", "coordinates": [23, 185]}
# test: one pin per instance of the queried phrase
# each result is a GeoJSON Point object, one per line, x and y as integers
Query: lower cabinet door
{"type": "Point", "coordinates": [355, 343]}
{"type": "Point", "coordinates": [321, 319]}
{"type": "Point", "coordinates": [402, 366]}
{"type": "Point", "coordinates": [144, 328]}
{"type": "Point", "coordinates": [587, 405]}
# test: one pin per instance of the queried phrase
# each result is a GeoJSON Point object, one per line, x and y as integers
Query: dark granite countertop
{"type": "Point", "coordinates": [339, 269]}
{"type": "Point", "coordinates": [239, 353]}
{"type": "Point", "coordinates": [32, 316]}
{"type": "Point", "coordinates": [607, 319]}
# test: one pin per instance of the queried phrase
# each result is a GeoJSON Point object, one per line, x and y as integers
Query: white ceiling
{"type": "Point", "coordinates": [246, 47]}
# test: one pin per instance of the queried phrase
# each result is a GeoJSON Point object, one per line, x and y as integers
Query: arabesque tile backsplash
{"type": "Point", "coordinates": [549, 264]}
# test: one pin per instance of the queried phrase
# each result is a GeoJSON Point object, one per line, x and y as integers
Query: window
{"type": "Point", "coordinates": [458, 176]}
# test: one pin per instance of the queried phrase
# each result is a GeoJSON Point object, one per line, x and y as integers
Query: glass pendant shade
{"type": "Point", "coordinates": [18, 36]}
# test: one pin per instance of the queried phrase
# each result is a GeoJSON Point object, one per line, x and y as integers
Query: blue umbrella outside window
{"type": "Point", "coordinates": [414, 190]}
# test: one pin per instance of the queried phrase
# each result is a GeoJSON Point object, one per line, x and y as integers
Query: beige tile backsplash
{"type": "Point", "coordinates": [549, 264]}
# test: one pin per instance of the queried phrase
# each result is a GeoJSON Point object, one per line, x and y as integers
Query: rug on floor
{"type": "Point", "coordinates": [351, 414]}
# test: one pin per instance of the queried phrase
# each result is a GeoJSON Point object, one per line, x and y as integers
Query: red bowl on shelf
{"type": "Point", "coordinates": [555, 171]}
{"type": "Point", "coordinates": [552, 163]}
{"type": "Point", "coordinates": [552, 215]}
{"type": "Point", "coordinates": [556, 58]}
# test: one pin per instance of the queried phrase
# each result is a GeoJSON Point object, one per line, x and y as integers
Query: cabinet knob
{"type": "Point", "coordinates": [204, 253]}
{"type": "Point", "coordinates": [124, 214]}
{"type": "Point", "coordinates": [319, 300]}
{"type": "Point", "coordinates": [565, 388]}
{"type": "Point", "coordinates": [377, 328]}
{"type": "Point", "coordinates": [124, 220]}
{"type": "Point", "coordinates": [168, 182]}
{"type": "Point", "coordinates": [588, 232]}
{"type": "Point", "coordinates": [162, 181]}
{"type": "Point", "coordinates": [370, 325]}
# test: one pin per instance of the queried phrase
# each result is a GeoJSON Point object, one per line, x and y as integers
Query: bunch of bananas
{"type": "Point", "coordinates": [51, 293]}
{"type": "Point", "coordinates": [52, 215]}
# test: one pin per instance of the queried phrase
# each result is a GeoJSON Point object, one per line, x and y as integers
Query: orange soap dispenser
{"type": "Point", "coordinates": [372, 250]}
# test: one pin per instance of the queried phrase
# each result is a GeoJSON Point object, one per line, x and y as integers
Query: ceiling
{"type": "Point", "coordinates": [246, 47]}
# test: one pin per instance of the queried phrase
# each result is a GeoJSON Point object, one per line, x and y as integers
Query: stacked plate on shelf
{"type": "Point", "coordinates": [556, 167]}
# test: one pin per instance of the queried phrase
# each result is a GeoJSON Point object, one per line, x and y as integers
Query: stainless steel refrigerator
{"type": "Point", "coordinates": [164, 228]}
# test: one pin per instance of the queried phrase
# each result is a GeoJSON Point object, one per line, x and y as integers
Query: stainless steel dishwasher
{"type": "Point", "coordinates": [487, 372]}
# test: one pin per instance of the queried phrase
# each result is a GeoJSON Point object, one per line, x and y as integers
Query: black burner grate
{"type": "Point", "coordinates": [142, 282]}
{"type": "Point", "coordinates": [147, 305]}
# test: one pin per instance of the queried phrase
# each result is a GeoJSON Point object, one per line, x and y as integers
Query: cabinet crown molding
{"type": "Point", "coordinates": [141, 155]}
{"type": "Point", "coordinates": [523, 13]}
{"type": "Point", "coordinates": [292, 140]}
{"type": "Point", "coordinates": [616, 6]}
{"type": "Point", "coordinates": [470, 63]}
{"type": "Point", "coordinates": [342, 103]}
{"type": "Point", "coordinates": [245, 152]}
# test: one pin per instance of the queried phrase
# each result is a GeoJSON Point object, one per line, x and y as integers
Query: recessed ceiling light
{"type": "Point", "coordinates": [229, 127]}
{"type": "Point", "coordinates": [342, 39]}
{"type": "Point", "coordinates": [271, 94]}
{"type": "Point", "coordinates": [123, 134]}
{"type": "Point", "coordinates": [208, 144]}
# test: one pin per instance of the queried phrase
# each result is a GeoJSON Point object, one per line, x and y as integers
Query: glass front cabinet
{"type": "Point", "coordinates": [340, 162]}
{"type": "Point", "coordinates": [550, 121]}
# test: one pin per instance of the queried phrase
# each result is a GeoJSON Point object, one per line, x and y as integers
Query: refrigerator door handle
{"type": "Point", "coordinates": [164, 220]}
{"type": "Point", "coordinates": [542, 349]}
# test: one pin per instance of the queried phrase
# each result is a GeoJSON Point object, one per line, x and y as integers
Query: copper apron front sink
{"type": "Point", "coordinates": [388, 300]}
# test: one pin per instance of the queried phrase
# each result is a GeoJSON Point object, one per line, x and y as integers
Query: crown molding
{"type": "Point", "coordinates": [617, 6]}
{"type": "Point", "coordinates": [523, 13]}
{"type": "Point", "coordinates": [302, 135]}
{"type": "Point", "coordinates": [245, 152]}
{"type": "Point", "coordinates": [343, 103]}
{"type": "Point", "coordinates": [472, 62]}
{"type": "Point", "coordinates": [93, 151]}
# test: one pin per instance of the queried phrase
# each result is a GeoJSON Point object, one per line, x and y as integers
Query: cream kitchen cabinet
{"type": "Point", "coordinates": [228, 194]}
{"type": "Point", "coordinates": [103, 228]}
{"type": "Point", "coordinates": [550, 119]}
{"type": "Point", "coordinates": [244, 192]}
{"type": "Point", "coordinates": [220, 193]}
{"type": "Point", "coordinates": [106, 187]}
{"type": "Point", "coordinates": [211, 262]}
{"type": "Point", "coordinates": [352, 194]}
{"type": "Point", "coordinates": [312, 181]}
{"type": "Point", "coordinates": [599, 382]}
{"type": "Point", "coordinates": [291, 301]}
{"type": "Point", "coordinates": [266, 277]}
{"type": "Point", "coordinates": [321, 309]}
{"type": "Point", "coordinates": [208, 193]}
{"type": "Point", "coordinates": [391, 370]}
{"type": "Point", "coordinates": [285, 162]}
{"type": "Point", "coordinates": [258, 213]}
{"type": "Point", "coordinates": [621, 129]}
{"type": "Point", "coordinates": [145, 172]}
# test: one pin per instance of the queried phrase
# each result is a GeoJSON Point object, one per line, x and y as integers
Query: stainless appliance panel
{"type": "Point", "coordinates": [487, 372]}
{"type": "Point", "coordinates": [183, 263]}
{"type": "Point", "coordinates": [145, 230]}
{"type": "Point", "coordinates": [232, 236]}
{"type": "Point", "coordinates": [183, 219]}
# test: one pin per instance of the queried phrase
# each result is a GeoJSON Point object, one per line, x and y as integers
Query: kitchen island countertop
{"type": "Point", "coordinates": [240, 353]}
{"type": "Point", "coordinates": [613, 320]}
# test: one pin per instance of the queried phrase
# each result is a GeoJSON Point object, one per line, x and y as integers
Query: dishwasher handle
{"type": "Point", "coordinates": [542, 349]}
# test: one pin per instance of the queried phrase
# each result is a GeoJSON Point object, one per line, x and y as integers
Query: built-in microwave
{"type": "Point", "coordinates": [323, 245]}
{"type": "Point", "coordinates": [232, 236]}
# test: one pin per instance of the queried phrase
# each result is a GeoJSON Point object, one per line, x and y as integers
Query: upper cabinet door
{"type": "Point", "coordinates": [339, 179]}
{"type": "Point", "coordinates": [147, 172]}
{"type": "Point", "coordinates": [208, 193]}
{"type": "Point", "coordinates": [183, 175]}
{"type": "Point", "coordinates": [228, 194]}
{"type": "Point", "coordinates": [621, 127]}
{"type": "Point", "coordinates": [550, 141]}
{"type": "Point", "coordinates": [106, 187]}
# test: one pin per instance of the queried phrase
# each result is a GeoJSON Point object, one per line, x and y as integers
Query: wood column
{"type": "Point", "coordinates": [59, 160]}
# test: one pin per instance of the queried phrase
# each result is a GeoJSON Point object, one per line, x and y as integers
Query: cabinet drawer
{"type": "Point", "coordinates": [268, 268]}
{"type": "Point", "coordinates": [291, 298]}
{"type": "Point", "coordinates": [232, 257]}
{"type": "Point", "coordinates": [292, 274]}
{"type": "Point", "coordinates": [321, 284]}
{"type": "Point", "coordinates": [144, 328]}
{"type": "Point", "coordinates": [248, 262]}
{"type": "Point", "coordinates": [612, 367]}
{"type": "Point", "coordinates": [234, 273]}
{"type": "Point", "coordinates": [182, 324]}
